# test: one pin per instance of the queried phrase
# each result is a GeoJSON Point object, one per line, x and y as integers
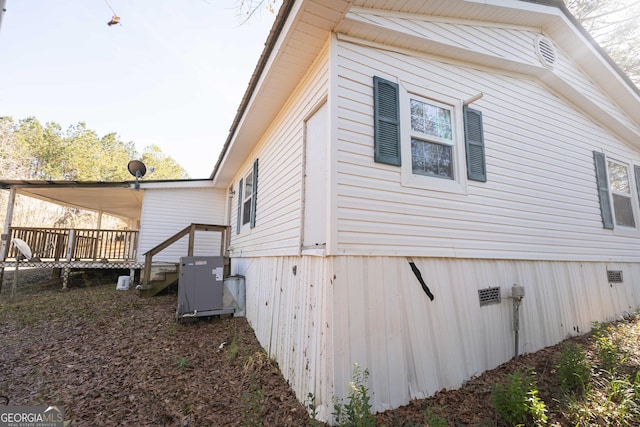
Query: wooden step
{"type": "Point", "coordinates": [162, 276]}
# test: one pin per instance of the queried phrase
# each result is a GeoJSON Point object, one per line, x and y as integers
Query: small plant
{"type": "Point", "coordinates": [357, 412]}
{"type": "Point", "coordinates": [182, 363]}
{"type": "Point", "coordinates": [609, 352]}
{"type": "Point", "coordinates": [574, 370]}
{"type": "Point", "coordinates": [232, 351]}
{"type": "Point", "coordinates": [313, 410]}
{"type": "Point", "coordinates": [517, 401]}
{"type": "Point", "coordinates": [433, 418]}
{"type": "Point", "coordinates": [252, 404]}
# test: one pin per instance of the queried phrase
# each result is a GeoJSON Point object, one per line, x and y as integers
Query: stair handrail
{"type": "Point", "coordinates": [191, 231]}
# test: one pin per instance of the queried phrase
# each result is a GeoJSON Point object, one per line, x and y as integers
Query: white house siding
{"type": "Point", "coordinates": [167, 211]}
{"type": "Point", "coordinates": [280, 154]}
{"type": "Point", "coordinates": [535, 205]}
{"type": "Point", "coordinates": [489, 39]}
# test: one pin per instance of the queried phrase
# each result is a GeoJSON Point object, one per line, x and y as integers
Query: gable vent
{"type": "Point", "coordinates": [614, 276]}
{"type": "Point", "coordinates": [546, 51]}
{"type": "Point", "coordinates": [489, 296]}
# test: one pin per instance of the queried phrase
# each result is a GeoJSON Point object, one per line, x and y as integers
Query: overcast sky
{"type": "Point", "coordinates": [172, 74]}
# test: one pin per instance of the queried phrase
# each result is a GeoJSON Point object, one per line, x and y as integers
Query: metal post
{"type": "Point", "coordinates": [71, 244]}
{"type": "Point", "coordinates": [517, 294]}
{"type": "Point", "coordinates": [4, 245]}
{"type": "Point", "coordinates": [516, 323]}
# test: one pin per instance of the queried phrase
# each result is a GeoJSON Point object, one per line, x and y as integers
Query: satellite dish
{"type": "Point", "coordinates": [23, 247]}
{"type": "Point", "coordinates": [137, 169]}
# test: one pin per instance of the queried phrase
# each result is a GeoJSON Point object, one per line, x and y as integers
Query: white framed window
{"type": "Point", "coordinates": [432, 143]}
{"type": "Point", "coordinates": [246, 203]}
{"type": "Point", "coordinates": [618, 185]}
{"type": "Point", "coordinates": [247, 198]}
{"type": "Point", "coordinates": [621, 198]}
{"type": "Point", "coordinates": [438, 143]}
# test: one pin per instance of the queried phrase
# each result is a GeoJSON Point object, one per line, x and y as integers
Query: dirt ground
{"type": "Point", "coordinates": [113, 358]}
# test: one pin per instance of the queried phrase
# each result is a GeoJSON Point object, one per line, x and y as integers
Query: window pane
{"type": "Point", "coordinates": [431, 120]}
{"type": "Point", "coordinates": [246, 212]}
{"type": "Point", "coordinates": [248, 186]}
{"type": "Point", "coordinates": [623, 210]}
{"type": "Point", "coordinates": [431, 159]}
{"type": "Point", "coordinates": [618, 177]}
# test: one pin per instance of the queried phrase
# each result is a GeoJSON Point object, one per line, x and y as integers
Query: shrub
{"type": "Point", "coordinates": [517, 401]}
{"type": "Point", "coordinates": [609, 352]}
{"type": "Point", "coordinates": [574, 370]}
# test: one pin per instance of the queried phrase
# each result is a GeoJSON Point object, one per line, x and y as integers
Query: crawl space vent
{"type": "Point", "coordinates": [614, 276]}
{"type": "Point", "coordinates": [546, 51]}
{"type": "Point", "coordinates": [489, 296]}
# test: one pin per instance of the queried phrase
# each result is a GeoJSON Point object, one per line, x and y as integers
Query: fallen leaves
{"type": "Point", "coordinates": [113, 358]}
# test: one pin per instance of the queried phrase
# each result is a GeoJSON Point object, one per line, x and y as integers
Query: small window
{"type": "Point", "coordinates": [247, 198]}
{"type": "Point", "coordinates": [620, 193]}
{"type": "Point", "coordinates": [248, 192]}
{"type": "Point", "coordinates": [439, 139]}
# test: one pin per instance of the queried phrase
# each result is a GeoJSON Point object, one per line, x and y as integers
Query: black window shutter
{"type": "Point", "coordinates": [474, 145]}
{"type": "Point", "coordinates": [386, 117]}
{"type": "Point", "coordinates": [239, 222]}
{"type": "Point", "coordinates": [603, 189]}
{"type": "Point", "coordinates": [254, 194]}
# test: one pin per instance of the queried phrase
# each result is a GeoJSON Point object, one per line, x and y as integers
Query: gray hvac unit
{"type": "Point", "coordinates": [200, 287]}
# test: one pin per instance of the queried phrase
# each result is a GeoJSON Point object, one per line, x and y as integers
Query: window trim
{"type": "Point", "coordinates": [628, 195]}
{"type": "Point", "coordinates": [243, 221]}
{"type": "Point", "coordinates": [247, 197]}
{"type": "Point", "coordinates": [605, 192]}
{"type": "Point", "coordinates": [459, 182]}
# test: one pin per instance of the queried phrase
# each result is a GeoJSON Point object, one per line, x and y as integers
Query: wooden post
{"type": "Point", "coordinates": [192, 237]}
{"type": "Point", "coordinates": [4, 246]}
{"type": "Point", "coordinates": [71, 244]}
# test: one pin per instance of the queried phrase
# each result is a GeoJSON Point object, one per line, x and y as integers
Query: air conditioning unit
{"type": "Point", "coordinates": [201, 287]}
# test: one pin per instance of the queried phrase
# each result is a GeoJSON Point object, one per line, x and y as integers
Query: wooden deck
{"type": "Point", "coordinates": [73, 249]}
{"type": "Point", "coordinates": [75, 244]}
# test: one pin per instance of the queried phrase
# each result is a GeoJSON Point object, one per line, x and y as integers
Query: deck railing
{"type": "Point", "coordinates": [75, 244]}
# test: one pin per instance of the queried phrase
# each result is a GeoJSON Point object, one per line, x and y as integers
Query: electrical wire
{"type": "Point", "coordinates": [114, 12]}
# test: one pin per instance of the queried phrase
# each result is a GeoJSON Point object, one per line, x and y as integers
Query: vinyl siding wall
{"type": "Point", "coordinates": [280, 154]}
{"type": "Point", "coordinates": [536, 204]}
{"type": "Point", "coordinates": [167, 211]}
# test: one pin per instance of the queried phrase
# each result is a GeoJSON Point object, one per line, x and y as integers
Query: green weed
{"type": "Point", "coordinates": [252, 403]}
{"type": "Point", "coordinates": [433, 417]}
{"type": "Point", "coordinates": [574, 370]}
{"type": "Point", "coordinates": [517, 402]}
{"type": "Point", "coordinates": [182, 363]}
{"type": "Point", "coordinates": [357, 411]}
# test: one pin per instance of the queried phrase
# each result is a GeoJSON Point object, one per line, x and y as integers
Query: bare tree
{"type": "Point", "coordinates": [615, 25]}
{"type": "Point", "coordinates": [247, 8]}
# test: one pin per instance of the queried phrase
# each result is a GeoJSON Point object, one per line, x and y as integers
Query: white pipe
{"type": "Point", "coordinates": [473, 99]}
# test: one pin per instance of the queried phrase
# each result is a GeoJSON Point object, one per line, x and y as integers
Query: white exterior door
{"type": "Point", "coordinates": [315, 181]}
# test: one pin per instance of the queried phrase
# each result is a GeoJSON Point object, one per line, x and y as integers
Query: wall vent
{"type": "Point", "coordinates": [489, 296]}
{"type": "Point", "coordinates": [546, 51]}
{"type": "Point", "coordinates": [614, 276]}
